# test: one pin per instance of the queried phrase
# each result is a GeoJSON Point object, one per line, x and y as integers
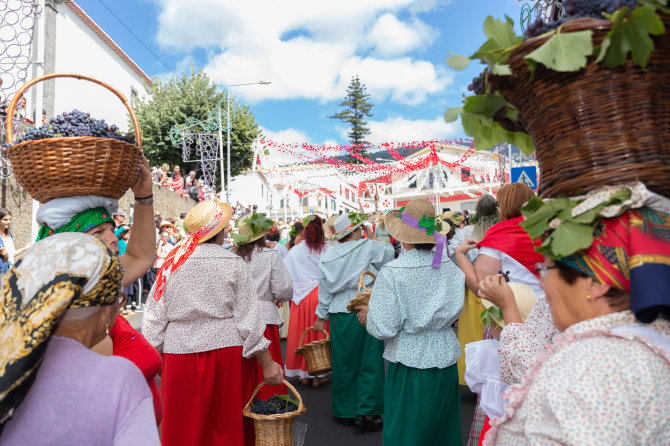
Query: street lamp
{"type": "Point", "coordinates": [228, 128]}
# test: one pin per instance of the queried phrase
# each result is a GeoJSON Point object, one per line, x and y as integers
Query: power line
{"type": "Point", "coordinates": [136, 37]}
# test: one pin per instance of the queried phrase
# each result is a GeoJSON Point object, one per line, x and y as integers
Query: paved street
{"type": "Point", "coordinates": [317, 427]}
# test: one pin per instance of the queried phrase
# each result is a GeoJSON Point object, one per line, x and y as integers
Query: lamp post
{"type": "Point", "coordinates": [228, 128]}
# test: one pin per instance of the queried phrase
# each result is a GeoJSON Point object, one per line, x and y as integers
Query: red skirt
{"type": "Point", "coordinates": [272, 335]}
{"type": "Point", "coordinates": [302, 317]}
{"type": "Point", "coordinates": [203, 397]}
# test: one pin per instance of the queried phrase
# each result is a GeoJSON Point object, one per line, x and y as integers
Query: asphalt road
{"type": "Point", "coordinates": [317, 426]}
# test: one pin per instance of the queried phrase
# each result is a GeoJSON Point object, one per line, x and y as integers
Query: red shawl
{"type": "Point", "coordinates": [510, 238]}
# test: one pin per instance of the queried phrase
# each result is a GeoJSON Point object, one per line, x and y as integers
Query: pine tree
{"type": "Point", "coordinates": [356, 109]}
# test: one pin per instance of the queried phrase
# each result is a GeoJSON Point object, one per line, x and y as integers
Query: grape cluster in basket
{"type": "Point", "coordinates": [76, 123]}
{"type": "Point", "coordinates": [575, 9]}
{"type": "Point", "coordinates": [273, 405]}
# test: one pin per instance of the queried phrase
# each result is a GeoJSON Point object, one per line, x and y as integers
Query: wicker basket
{"type": "Point", "coordinates": [362, 298]}
{"type": "Point", "coordinates": [68, 166]}
{"type": "Point", "coordinates": [316, 353]}
{"type": "Point", "coordinates": [597, 126]}
{"type": "Point", "coordinates": [274, 430]}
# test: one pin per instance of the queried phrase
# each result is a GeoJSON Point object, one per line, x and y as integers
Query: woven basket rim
{"type": "Point", "coordinates": [274, 417]}
{"type": "Point", "coordinates": [312, 345]}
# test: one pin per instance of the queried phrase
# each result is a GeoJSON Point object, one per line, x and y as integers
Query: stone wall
{"type": "Point", "coordinates": [14, 198]}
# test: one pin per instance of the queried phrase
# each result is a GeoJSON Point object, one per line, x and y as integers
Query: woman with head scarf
{"type": "Point", "coordinates": [302, 263]}
{"type": "Point", "coordinates": [273, 284]}
{"type": "Point", "coordinates": [606, 378]}
{"type": "Point", "coordinates": [356, 357]}
{"type": "Point", "coordinates": [204, 316]}
{"type": "Point", "coordinates": [415, 300]}
{"type": "Point", "coordinates": [58, 301]}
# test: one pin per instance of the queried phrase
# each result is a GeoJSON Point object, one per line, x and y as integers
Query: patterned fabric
{"type": "Point", "coordinates": [340, 271]}
{"type": "Point", "coordinates": [632, 253]}
{"type": "Point", "coordinates": [82, 222]}
{"type": "Point", "coordinates": [66, 271]}
{"type": "Point", "coordinates": [510, 238]}
{"type": "Point", "coordinates": [207, 304]}
{"type": "Point", "coordinates": [272, 283]}
{"type": "Point", "coordinates": [594, 386]}
{"type": "Point", "coordinates": [413, 306]}
{"type": "Point", "coordinates": [519, 343]}
{"type": "Point", "coordinates": [183, 251]}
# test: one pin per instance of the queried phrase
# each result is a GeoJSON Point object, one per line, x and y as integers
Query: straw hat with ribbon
{"type": "Point", "coordinates": [252, 228]}
{"type": "Point", "coordinates": [347, 223]}
{"type": "Point", "coordinates": [525, 298]}
{"type": "Point", "coordinates": [416, 223]}
{"type": "Point", "coordinates": [328, 228]}
{"type": "Point", "coordinates": [202, 223]}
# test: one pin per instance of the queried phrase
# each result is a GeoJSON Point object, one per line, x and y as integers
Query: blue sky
{"type": "Point", "coordinates": [309, 50]}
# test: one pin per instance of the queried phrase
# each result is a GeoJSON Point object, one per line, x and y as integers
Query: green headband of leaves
{"type": "Point", "coordinates": [258, 224]}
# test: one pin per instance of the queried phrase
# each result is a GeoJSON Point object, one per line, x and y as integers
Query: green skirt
{"type": "Point", "coordinates": [423, 406]}
{"type": "Point", "coordinates": [358, 368]}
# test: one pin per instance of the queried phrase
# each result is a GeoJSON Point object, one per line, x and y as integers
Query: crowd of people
{"type": "Point", "coordinates": [571, 350]}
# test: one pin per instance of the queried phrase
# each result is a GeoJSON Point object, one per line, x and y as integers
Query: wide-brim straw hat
{"type": "Point", "coordinates": [328, 228]}
{"type": "Point", "coordinates": [344, 227]}
{"type": "Point", "coordinates": [203, 215]}
{"type": "Point", "coordinates": [403, 232]}
{"type": "Point", "coordinates": [525, 298]}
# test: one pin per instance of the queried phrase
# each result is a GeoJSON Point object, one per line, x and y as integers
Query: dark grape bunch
{"type": "Point", "coordinates": [76, 123]}
{"type": "Point", "coordinates": [478, 86]}
{"type": "Point", "coordinates": [273, 405]}
{"type": "Point", "coordinates": [575, 9]}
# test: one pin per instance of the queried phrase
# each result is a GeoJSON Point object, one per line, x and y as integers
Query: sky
{"type": "Point", "coordinates": [309, 50]}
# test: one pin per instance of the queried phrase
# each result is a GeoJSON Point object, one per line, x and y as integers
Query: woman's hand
{"type": "Point", "coordinates": [495, 289]}
{"type": "Point", "coordinates": [466, 246]}
{"type": "Point", "coordinates": [273, 373]}
{"type": "Point", "coordinates": [143, 187]}
{"type": "Point", "coordinates": [363, 314]}
{"type": "Point", "coordinates": [319, 324]}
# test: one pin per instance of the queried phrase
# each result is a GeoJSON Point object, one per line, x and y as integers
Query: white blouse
{"type": "Point", "coordinates": [272, 283]}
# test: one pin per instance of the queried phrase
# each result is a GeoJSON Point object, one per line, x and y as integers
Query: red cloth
{"type": "Point", "coordinates": [130, 344]}
{"type": "Point", "coordinates": [272, 335]}
{"type": "Point", "coordinates": [204, 394]}
{"type": "Point", "coordinates": [510, 238]}
{"type": "Point", "coordinates": [485, 429]}
{"type": "Point", "coordinates": [302, 317]}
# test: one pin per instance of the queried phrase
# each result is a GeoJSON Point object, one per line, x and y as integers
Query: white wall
{"type": "Point", "coordinates": [80, 50]}
{"type": "Point", "coordinates": [250, 189]}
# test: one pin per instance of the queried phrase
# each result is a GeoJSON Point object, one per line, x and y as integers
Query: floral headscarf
{"type": "Point", "coordinates": [82, 222]}
{"type": "Point", "coordinates": [63, 271]}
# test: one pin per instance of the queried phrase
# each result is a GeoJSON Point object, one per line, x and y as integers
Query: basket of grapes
{"type": "Point", "coordinates": [316, 353]}
{"type": "Point", "coordinates": [273, 419]}
{"type": "Point", "coordinates": [74, 154]}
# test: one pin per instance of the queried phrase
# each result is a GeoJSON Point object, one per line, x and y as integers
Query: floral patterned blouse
{"type": "Point", "coordinates": [273, 283]}
{"type": "Point", "coordinates": [413, 306]}
{"type": "Point", "coordinates": [207, 304]}
{"type": "Point", "coordinates": [519, 343]}
{"type": "Point", "coordinates": [598, 384]}
{"type": "Point", "coordinates": [340, 270]}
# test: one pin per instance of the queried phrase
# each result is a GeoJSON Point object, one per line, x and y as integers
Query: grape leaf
{"type": "Point", "coordinates": [520, 139]}
{"type": "Point", "coordinates": [569, 238]}
{"type": "Point", "coordinates": [501, 70]}
{"type": "Point", "coordinates": [481, 129]}
{"type": "Point", "coordinates": [564, 51]}
{"type": "Point", "coordinates": [631, 34]}
{"type": "Point", "coordinates": [458, 62]}
{"type": "Point", "coordinates": [502, 33]}
{"type": "Point", "coordinates": [452, 114]}
{"type": "Point", "coordinates": [486, 104]}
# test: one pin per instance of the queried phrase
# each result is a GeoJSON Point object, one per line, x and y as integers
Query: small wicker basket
{"type": "Point", "coordinates": [274, 430]}
{"type": "Point", "coordinates": [316, 353]}
{"type": "Point", "coordinates": [69, 166]}
{"type": "Point", "coordinates": [362, 297]}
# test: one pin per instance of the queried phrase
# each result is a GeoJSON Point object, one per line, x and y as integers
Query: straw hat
{"type": "Point", "coordinates": [525, 298]}
{"type": "Point", "coordinates": [166, 223]}
{"type": "Point", "coordinates": [203, 214]}
{"type": "Point", "coordinates": [345, 224]}
{"type": "Point", "coordinates": [451, 215]}
{"type": "Point", "coordinates": [328, 227]}
{"type": "Point", "coordinates": [262, 224]}
{"type": "Point", "coordinates": [403, 232]}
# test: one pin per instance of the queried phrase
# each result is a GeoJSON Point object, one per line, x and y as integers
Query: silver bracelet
{"type": "Point", "coordinates": [145, 202]}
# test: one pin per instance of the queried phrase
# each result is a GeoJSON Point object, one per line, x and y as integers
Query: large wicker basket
{"type": "Point", "coordinates": [597, 126]}
{"type": "Point", "coordinates": [316, 353]}
{"type": "Point", "coordinates": [274, 430]}
{"type": "Point", "coordinates": [68, 166]}
{"type": "Point", "coordinates": [362, 297]}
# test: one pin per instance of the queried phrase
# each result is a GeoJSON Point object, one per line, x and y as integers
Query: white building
{"type": "Point", "coordinates": [253, 188]}
{"type": "Point", "coordinates": [67, 40]}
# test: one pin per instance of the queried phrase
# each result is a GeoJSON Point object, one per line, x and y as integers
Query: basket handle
{"type": "Point", "coordinates": [301, 407]}
{"type": "Point", "coordinates": [302, 338]}
{"type": "Point", "coordinates": [19, 94]}
{"type": "Point", "coordinates": [361, 281]}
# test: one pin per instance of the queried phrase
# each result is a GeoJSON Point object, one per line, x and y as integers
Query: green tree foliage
{"type": "Point", "coordinates": [356, 109]}
{"type": "Point", "coordinates": [192, 95]}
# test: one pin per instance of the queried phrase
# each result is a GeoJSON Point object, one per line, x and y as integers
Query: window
{"type": "Point", "coordinates": [133, 96]}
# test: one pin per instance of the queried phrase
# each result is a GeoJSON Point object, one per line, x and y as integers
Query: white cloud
{"type": "Point", "coordinates": [392, 37]}
{"type": "Point", "coordinates": [287, 135]}
{"type": "Point", "coordinates": [330, 43]}
{"type": "Point", "coordinates": [405, 130]}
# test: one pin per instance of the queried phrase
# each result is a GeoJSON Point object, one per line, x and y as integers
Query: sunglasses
{"type": "Point", "coordinates": [542, 268]}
